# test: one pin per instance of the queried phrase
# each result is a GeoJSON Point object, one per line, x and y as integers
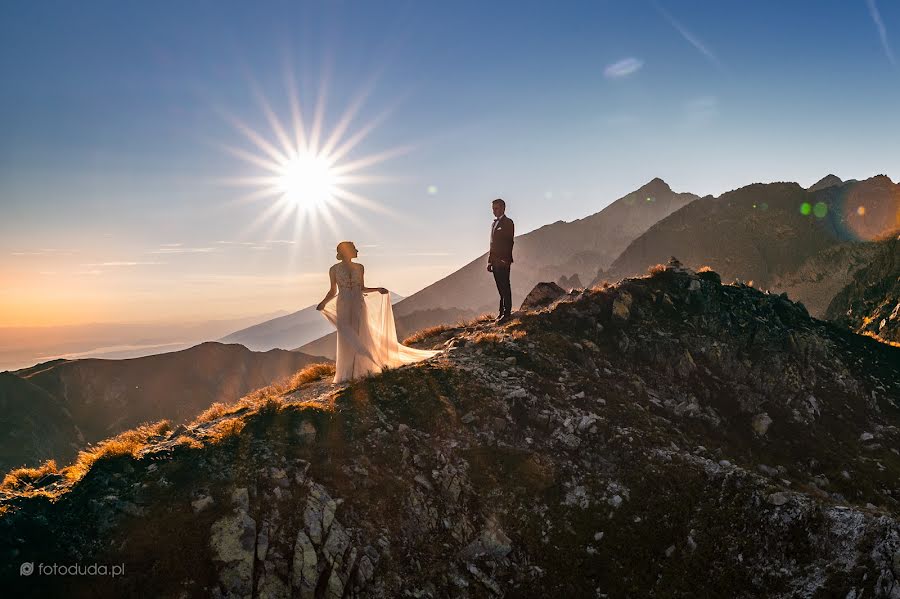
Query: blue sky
{"type": "Point", "coordinates": [111, 114]}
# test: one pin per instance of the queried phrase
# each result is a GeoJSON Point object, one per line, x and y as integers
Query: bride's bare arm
{"type": "Point", "coordinates": [331, 292]}
{"type": "Point", "coordinates": [368, 289]}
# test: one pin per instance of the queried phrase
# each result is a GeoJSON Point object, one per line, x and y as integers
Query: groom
{"type": "Point", "coordinates": [500, 257]}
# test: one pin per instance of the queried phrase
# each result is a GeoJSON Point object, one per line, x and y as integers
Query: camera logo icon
{"type": "Point", "coordinates": [26, 569]}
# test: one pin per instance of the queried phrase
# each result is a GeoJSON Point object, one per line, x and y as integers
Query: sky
{"type": "Point", "coordinates": [122, 146]}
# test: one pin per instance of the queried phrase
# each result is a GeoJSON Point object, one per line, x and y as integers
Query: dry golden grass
{"type": "Point", "coordinates": [271, 393]}
{"type": "Point", "coordinates": [130, 442]}
{"type": "Point", "coordinates": [705, 268]}
{"type": "Point", "coordinates": [311, 373]}
{"type": "Point", "coordinates": [25, 476]}
{"type": "Point", "coordinates": [656, 269]}
{"type": "Point", "coordinates": [497, 337]}
{"type": "Point", "coordinates": [426, 333]}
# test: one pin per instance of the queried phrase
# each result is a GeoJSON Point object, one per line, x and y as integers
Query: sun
{"type": "Point", "coordinates": [304, 171]}
{"type": "Point", "coordinates": [307, 181]}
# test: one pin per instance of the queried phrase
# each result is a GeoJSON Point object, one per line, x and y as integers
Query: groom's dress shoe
{"type": "Point", "coordinates": [504, 318]}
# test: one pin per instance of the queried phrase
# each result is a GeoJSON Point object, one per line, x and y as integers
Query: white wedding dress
{"type": "Point", "coordinates": [366, 334]}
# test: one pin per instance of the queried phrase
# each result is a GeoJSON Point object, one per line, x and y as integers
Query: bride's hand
{"type": "Point", "coordinates": [320, 306]}
{"type": "Point", "coordinates": [382, 290]}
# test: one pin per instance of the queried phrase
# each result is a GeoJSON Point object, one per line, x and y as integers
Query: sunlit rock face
{"type": "Point", "coordinates": [649, 438]}
{"type": "Point", "coordinates": [870, 303]}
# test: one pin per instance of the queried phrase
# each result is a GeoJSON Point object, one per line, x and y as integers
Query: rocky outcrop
{"type": "Point", "coordinates": [648, 438]}
{"type": "Point", "coordinates": [542, 295]}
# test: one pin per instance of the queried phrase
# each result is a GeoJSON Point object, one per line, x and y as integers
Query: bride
{"type": "Point", "coordinates": [366, 334]}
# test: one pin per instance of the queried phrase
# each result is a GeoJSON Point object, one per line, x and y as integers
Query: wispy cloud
{"type": "Point", "coordinates": [182, 250]}
{"type": "Point", "coordinates": [120, 263]}
{"type": "Point", "coordinates": [43, 252]}
{"type": "Point", "coordinates": [89, 272]}
{"type": "Point", "coordinates": [882, 31]}
{"type": "Point", "coordinates": [171, 245]}
{"type": "Point", "coordinates": [623, 68]}
{"type": "Point", "coordinates": [691, 38]}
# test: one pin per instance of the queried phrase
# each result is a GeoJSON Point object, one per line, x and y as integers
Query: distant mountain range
{"type": "Point", "coordinates": [52, 409]}
{"type": "Point", "coordinates": [23, 346]}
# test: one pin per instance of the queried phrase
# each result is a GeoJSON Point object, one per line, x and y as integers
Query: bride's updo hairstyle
{"type": "Point", "coordinates": [343, 249]}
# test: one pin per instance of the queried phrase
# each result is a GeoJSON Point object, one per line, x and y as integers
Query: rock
{"type": "Point", "coordinates": [365, 571]}
{"type": "Point", "coordinates": [615, 501]}
{"type": "Point", "coordinates": [492, 542]}
{"type": "Point", "coordinates": [761, 423]}
{"type": "Point", "coordinates": [621, 307]}
{"type": "Point", "coordinates": [670, 550]}
{"type": "Point", "coordinates": [767, 470]}
{"type": "Point", "coordinates": [306, 432]}
{"type": "Point", "coordinates": [895, 564]}
{"type": "Point", "coordinates": [778, 498]}
{"type": "Point", "coordinates": [866, 437]}
{"type": "Point", "coordinates": [542, 295]}
{"type": "Point", "coordinates": [319, 513]}
{"type": "Point", "coordinates": [233, 544]}
{"type": "Point", "coordinates": [305, 566]}
{"type": "Point", "coordinates": [468, 417]}
{"type": "Point", "coordinates": [201, 503]}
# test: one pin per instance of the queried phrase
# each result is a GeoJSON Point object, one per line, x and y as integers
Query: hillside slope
{"type": "Point", "coordinates": [34, 425]}
{"type": "Point", "coordinates": [667, 436]}
{"type": "Point", "coordinates": [103, 397]}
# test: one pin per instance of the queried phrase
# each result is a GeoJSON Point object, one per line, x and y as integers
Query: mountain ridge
{"type": "Point", "coordinates": [654, 436]}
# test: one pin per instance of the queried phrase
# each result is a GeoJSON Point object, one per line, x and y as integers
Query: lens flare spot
{"type": "Point", "coordinates": [432, 190]}
{"type": "Point", "coordinates": [861, 211]}
{"type": "Point", "coordinates": [820, 209]}
{"type": "Point", "coordinates": [805, 208]}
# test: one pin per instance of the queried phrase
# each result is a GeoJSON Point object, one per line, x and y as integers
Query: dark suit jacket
{"type": "Point", "coordinates": [502, 242]}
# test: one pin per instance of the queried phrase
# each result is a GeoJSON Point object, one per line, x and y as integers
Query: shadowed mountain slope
{"type": "Point", "coordinates": [34, 425]}
{"type": "Point", "coordinates": [103, 397]}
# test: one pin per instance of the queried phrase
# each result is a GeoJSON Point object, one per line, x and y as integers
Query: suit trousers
{"type": "Point", "coordinates": [501, 277]}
